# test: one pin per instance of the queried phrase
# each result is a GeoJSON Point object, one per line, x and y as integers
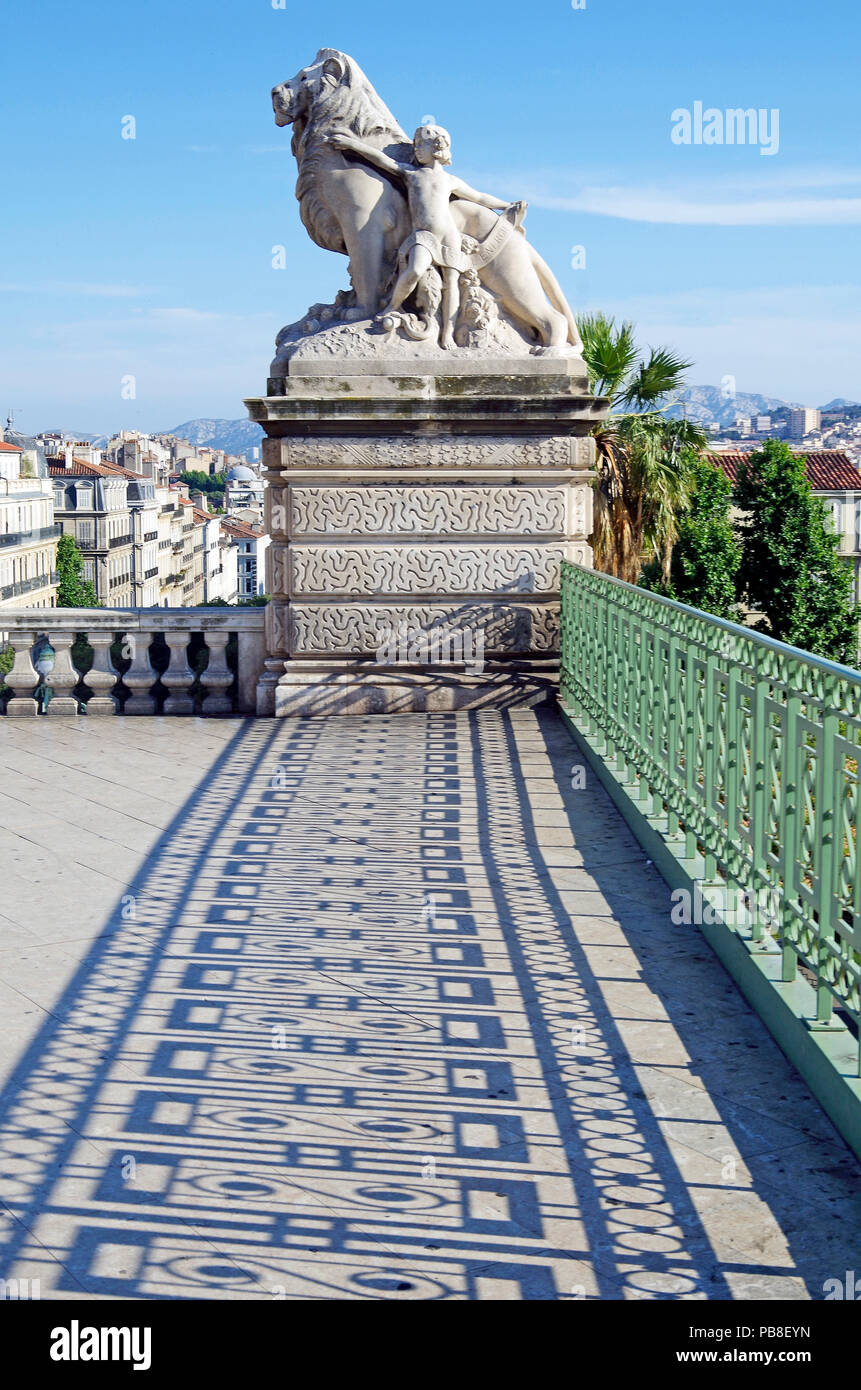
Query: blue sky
{"type": "Point", "coordinates": [152, 257]}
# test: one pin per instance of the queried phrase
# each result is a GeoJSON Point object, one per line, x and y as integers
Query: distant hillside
{"type": "Point", "coordinates": [234, 436]}
{"type": "Point", "coordinates": [707, 404]}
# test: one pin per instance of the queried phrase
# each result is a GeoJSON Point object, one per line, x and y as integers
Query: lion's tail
{"type": "Point", "coordinates": [553, 290]}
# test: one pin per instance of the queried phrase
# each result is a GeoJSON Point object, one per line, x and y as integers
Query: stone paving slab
{"type": "Point", "coordinates": [377, 1008]}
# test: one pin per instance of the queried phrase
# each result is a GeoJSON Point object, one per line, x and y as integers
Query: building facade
{"type": "Point", "coordinates": [28, 532]}
{"type": "Point", "coordinates": [252, 544]}
{"type": "Point", "coordinates": [91, 505]}
{"type": "Point", "coordinates": [803, 421]}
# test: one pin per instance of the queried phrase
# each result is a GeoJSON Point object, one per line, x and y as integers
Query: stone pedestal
{"type": "Point", "coordinates": [419, 517]}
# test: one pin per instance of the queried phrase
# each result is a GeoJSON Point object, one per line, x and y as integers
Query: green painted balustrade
{"type": "Point", "coordinates": [747, 751]}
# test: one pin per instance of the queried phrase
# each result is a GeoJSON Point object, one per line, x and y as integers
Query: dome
{"type": "Point", "coordinates": [241, 474]}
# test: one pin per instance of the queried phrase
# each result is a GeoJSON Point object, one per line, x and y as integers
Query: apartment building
{"type": "Point", "coordinates": [28, 532]}
{"type": "Point", "coordinates": [804, 421]}
{"type": "Point", "coordinates": [91, 505]}
{"type": "Point", "coordinates": [252, 543]}
{"type": "Point", "coordinates": [180, 570]}
{"type": "Point", "coordinates": [220, 559]}
{"type": "Point", "coordinates": [141, 454]}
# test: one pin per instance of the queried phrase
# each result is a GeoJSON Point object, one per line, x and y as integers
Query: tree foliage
{"type": "Point", "coordinates": [707, 554]}
{"type": "Point", "coordinates": [73, 591]}
{"type": "Point", "coordinates": [195, 479]}
{"type": "Point", "coordinates": [791, 571]}
{"type": "Point", "coordinates": [644, 458]}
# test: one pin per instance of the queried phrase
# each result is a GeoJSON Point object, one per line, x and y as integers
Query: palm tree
{"type": "Point", "coordinates": [644, 459]}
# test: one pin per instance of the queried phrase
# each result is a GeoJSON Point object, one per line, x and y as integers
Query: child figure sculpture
{"type": "Point", "coordinates": [435, 239]}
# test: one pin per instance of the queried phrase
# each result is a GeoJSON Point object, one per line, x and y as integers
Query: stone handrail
{"type": "Point", "coordinates": [144, 688]}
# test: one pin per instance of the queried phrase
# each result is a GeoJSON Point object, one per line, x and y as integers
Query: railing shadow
{"type": "Point", "coordinates": [330, 1054]}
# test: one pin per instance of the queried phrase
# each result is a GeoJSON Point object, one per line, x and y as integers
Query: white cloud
{"type": "Point", "coordinates": [783, 198]}
{"type": "Point", "coordinates": [657, 205]}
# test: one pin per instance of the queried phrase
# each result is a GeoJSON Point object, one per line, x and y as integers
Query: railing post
{"type": "Point", "coordinates": [759, 792]}
{"type": "Point", "coordinates": [790, 837]}
{"type": "Point", "coordinates": [826, 834]}
{"type": "Point", "coordinates": [101, 677]}
{"type": "Point", "coordinates": [218, 677]}
{"type": "Point", "coordinates": [140, 677]}
{"type": "Point", "coordinates": [64, 677]}
{"type": "Point", "coordinates": [178, 677]}
{"type": "Point", "coordinates": [23, 677]}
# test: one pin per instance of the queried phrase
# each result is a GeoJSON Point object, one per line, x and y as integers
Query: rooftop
{"type": "Point", "coordinates": [384, 1010]}
{"type": "Point", "coordinates": [828, 470]}
{"type": "Point", "coordinates": [242, 528]}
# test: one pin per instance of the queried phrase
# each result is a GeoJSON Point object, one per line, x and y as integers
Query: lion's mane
{"type": "Point", "coordinates": [352, 105]}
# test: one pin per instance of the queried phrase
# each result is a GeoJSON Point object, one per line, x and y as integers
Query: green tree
{"type": "Point", "coordinates": [73, 591]}
{"type": "Point", "coordinates": [644, 458]}
{"type": "Point", "coordinates": [791, 570]}
{"type": "Point", "coordinates": [707, 554]}
{"type": "Point", "coordinates": [196, 479]}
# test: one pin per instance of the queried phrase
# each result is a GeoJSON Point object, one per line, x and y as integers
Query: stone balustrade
{"type": "Point", "coordinates": [171, 661]}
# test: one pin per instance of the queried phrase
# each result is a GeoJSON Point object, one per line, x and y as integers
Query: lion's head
{"type": "Point", "coordinates": [331, 94]}
{"type": "Point", "coordinates": [333, 91]}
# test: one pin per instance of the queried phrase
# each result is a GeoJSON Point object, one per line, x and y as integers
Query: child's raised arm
{"type": "Point", "coordinates": [349, 145]}
{"type": "Point", "coordinates": [484, 200]}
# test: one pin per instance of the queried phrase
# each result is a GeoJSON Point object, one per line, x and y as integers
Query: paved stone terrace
{"type": "Point", "coordinates": [376, 1008]}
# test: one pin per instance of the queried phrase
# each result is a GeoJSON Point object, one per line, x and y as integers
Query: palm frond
{"type": "Point", "coordinates": [659, 376]}
{"type": "Point", "coordinates": [610, 354]}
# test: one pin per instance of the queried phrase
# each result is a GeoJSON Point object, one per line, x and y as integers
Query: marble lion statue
{"type": "Point", "coordinates": [352, 208]}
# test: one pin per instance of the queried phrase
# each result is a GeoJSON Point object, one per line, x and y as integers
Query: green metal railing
{"type": "Point", "coordinates": [748, 749]}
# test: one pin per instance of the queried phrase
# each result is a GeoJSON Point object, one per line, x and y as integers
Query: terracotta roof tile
{"type": "Point", "coordinates": [828, 470]}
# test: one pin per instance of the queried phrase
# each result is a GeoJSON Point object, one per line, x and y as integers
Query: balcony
{"type": "Point", "coordinates": [27, 586]}
{"type": "Point", "coordinates": [41, 533]}
{"type": "Point", "coordinates": [116, 541]}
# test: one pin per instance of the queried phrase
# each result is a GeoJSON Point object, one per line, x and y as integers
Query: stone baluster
{"type": "Point", "coordinates": [218, 677]}
{"type": "Point", "coordinates": [23, 677]}
{"type": "Point", "coordinates": [101, 677]}
{"type": "Point", "coordinates": [140, 677]}
{"type": "Point", "coordinates": [178, 677]}
{"type": "Point", "coordinates": [63, 678]}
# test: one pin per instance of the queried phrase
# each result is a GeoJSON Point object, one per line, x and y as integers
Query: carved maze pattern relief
{"type": "Point", "coordinates": [426, 569]}
{"type": "Point", "coordinates": [383, 511]}
{"type": "Point", "coordinates": [445, 451]}
{"type": "Point", "coordinates": [357, 630]}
